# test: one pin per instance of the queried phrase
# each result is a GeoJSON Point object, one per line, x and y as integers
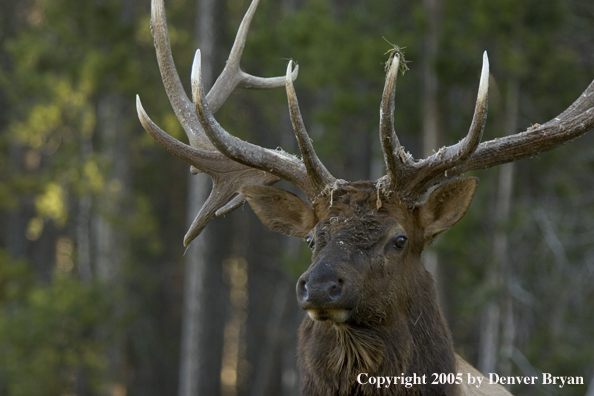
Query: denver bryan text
{"type": "Point", "coordinates": [547, 379]}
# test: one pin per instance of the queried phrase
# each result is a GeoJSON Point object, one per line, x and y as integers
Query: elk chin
{"type": "Point", "coordinates": [334, 315]}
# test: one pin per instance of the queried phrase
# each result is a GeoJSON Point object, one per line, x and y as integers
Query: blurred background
{"type": "Point", "coordinates": [96, 294]}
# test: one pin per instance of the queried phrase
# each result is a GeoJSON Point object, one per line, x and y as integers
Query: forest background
{"type": "Point", "coordinates": [96, 294]}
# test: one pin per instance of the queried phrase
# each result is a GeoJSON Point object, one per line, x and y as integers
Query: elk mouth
{"type": "Point", "coordinates": [336, 315]}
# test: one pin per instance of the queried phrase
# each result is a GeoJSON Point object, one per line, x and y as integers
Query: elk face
{"type": "Point", "coordinates": [357, 249]}
{"type": "Point", "coordinates": [366, 249]}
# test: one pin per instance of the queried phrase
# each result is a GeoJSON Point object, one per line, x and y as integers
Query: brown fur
{"type": "Point", "coordinates": [394, 325]}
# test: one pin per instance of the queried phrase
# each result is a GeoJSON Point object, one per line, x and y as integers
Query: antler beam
{"type": "Point", "coordinates": [410, 178]}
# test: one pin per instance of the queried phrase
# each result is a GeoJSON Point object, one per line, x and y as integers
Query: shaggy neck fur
{"type": "Point", "coordinates": [331, 356]}
{"type": "Point", "coordinates": [356, 349]}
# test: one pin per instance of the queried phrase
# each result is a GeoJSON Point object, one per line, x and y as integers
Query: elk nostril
{"type": "Point", "coordinates": [334, 290]}
{"type": "Point", "coordinates": [302, 289]}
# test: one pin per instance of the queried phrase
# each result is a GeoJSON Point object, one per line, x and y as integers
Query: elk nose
{"type": "Point", "coordinates": [318, 293]}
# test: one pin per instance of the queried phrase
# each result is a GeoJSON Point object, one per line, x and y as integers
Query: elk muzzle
{"type": "Point", "coordinates": [326, 294]}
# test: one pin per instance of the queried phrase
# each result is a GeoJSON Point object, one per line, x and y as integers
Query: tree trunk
{"type": "Point", "coordinates": [431, 132]}
{"type": "Point", "coordinates": [499, 312]}
{"type": "Point", "coordinates": [203, 308]}
{"type": "Point", "coordinates": [14, 223]}
{"type": "Point", "coordinates": [202, 320]}
{"type": "Point", "coordinates": [110, 241]}
{"type": "Point", "coordinates": [430, 111]}
{"type": "Point", "coordinates": [506, 178]}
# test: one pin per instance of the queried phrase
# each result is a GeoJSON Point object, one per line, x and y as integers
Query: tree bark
{"type": "Point", "coordinates": [109, 239]}
{"type": "Point", "coordinates": [498, 323]}
{"type": "Point", "coordinates": [503, 213]}
{"type": "Point", "coordinates": [203, 307]}
{"type": "Point", "coordinates": [431, 132]}
{"type": "Point", "coordinates": [430, 110]}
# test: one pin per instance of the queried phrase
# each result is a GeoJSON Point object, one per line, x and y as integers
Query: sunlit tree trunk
{"type": "Point", "coordinates": [106, 242]}
{"type": "Point", "coordinates": [203, 316]}
{"type": "Point", "coordinates": [109, 239]}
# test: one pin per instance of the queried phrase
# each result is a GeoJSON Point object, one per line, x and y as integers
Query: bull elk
{"type": "Point", "coordinates": [371, 305]}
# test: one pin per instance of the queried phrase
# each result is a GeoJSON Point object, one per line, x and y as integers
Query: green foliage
{"type": "Point", "coordinates": [16, 278]}
{"type": "Point", "coordinates": [71, 54]}
{"type": "Point", "coordinates": [52, 336]}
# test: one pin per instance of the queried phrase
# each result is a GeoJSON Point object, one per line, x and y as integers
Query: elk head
{"type": "Point", "coordinates": [363, 240]}
{"type": "Point", "coordinates": [366, 236]}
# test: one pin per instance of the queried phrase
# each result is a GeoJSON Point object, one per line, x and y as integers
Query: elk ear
{"type": "Point", "coordinates": [281, 210]}
{"type": "Point", "coordinates": [446, 206]}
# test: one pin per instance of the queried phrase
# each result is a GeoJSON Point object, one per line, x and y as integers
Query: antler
{"type": "Point", "coordinates": [233, 163]}
{"type": "Point", "coordinates": [228, 176]}
{"type": "Point", "coordinates": [229, 161]}
{"type": "Point", "coordinates": [410, 178]}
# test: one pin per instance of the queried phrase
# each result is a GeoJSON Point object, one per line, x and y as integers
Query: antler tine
{"type": "Point", "coordinates": [458, 153]}
{"type": "Point", "coordinates": [396, 160]}
{"type": "Point", "coordinates": [437, 167]}
{"type": "Point", "coordinates": [201, 159]}
{"type": "Point", "coordinates": [223, 191]}
{"type": "Point", "coordinates": [182, 106]}
{"type": "Point", "coordinates": [232, 76]}
{"type": "Point", "coordinates": [278, 163]}
{"type": "Point", "coordinates": [575, 121]}
{"type": "Point", "coordinates": [319, 175]}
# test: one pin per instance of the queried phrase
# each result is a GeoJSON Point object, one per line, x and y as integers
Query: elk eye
{"type": "Point", "coordinates": [310, 241]}
{"type": "Point", "coordinates": [399, 242]}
